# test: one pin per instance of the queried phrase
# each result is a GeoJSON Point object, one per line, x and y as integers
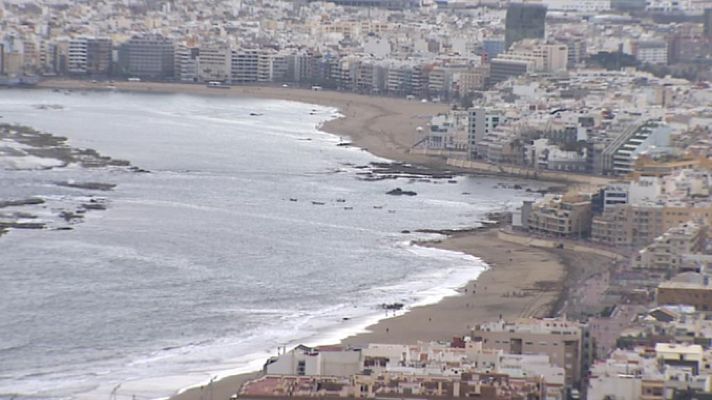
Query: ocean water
{"type": "Point", "coordinates": [204, 266]}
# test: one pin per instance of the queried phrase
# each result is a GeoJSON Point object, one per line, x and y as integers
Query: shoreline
{"type": "Point", "coordinates": [520, 280]}
{"type": "Point", "coordinates": [384, 126]}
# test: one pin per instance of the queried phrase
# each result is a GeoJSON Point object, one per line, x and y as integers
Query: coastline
{"type": "Point", "coordinates": [383, 126]}
{"type": "Point", "coordinates": [521, 281]}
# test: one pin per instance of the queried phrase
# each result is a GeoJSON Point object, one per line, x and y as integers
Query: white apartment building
{"type": "Point", "coordinates": [251, 65]}
{"type": "Point", "coordinates": [186, 64]}
{"type": "Point", "coordinates": [640, 138]}
{"type": "Point", "coordinates": [77, 56]}
{"type": "Point", "coordinates": [583, 7]}
{"type": "Point", "coordinates": [651, 52]}
{"type": "Point", "coordinates": [449, 131]}
{"type": "Point", "coordinates": [482, 121]}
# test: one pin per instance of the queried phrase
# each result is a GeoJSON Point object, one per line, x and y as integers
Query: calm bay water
{"type": "Point", "coordinates": [205, 265]}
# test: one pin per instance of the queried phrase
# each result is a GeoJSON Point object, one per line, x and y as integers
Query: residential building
{"type": "Point", "coordinates": [148, 56]}
{"type": "Point", "coordinates": [667, 252]}
{"type": "Point", "coordinates": [688, 288]}
{"type": "Point", "coordinates": [186, 64]}
{"type": "Point", "coordinates": [660, 371]}
{"type": "Point", "coordinates": [308, 361]}
{"type": "Point", "coordinates": [567, 216]}
{"type": "Point", "coordinates": [90, 56]}
{"type": "Point", "coordinates": [652, 52]}
{"type": "Point", "coordinates": [546, 57]}
{"type": "Point", "coordinates": [214, 63]}
{"type": "Point", "coordinates": [449, 131]}
{"type": "Point", "coordinates": [503, 68]}
{"type": "Point", "coordinates": [628, 225]}
{"type": "Point", "coordinates": [559, 339]}
{"type": "Point", "coordinates": [482, 121]}
{"type": "Point", "coordinates": [620, 154]}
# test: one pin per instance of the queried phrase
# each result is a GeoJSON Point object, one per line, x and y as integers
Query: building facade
{"type": "Point", "coordinates": [148, 57]}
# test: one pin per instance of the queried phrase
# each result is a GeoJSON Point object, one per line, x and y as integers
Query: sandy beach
{"type": "Point", "coordinates": [522, 281]}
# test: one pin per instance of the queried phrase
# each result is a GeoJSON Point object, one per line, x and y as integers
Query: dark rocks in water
{"type": "Point", "coordinates": [69, 216]}
{"type": "Point", "coordinates": [392, 306]}
{"type": "Point", "coordinates": [63, 228]}
{"type": "Point", "coordinates": [401, 192]}
{"type": "Point", "coordinates": [293, 199]}
{"type": "Point", "coordinates": [254, 114]}
{"type": "Point", "coordinates": [405, 231]}
{"type": "Point", "coordinates": [24, 202]}
{"type": "Point", "coordinates": [345, 318]}
{"type": "Point", "coordinates": [318, 203]}
{"type": "Point", "coordinates": [344, 144]}
{"type": "Point", "coordinates": [371, 177]}
{"type": "Point", "coordinates": [517, 187]}
{"type": "Point", "coordinates": [88, 185]}
{"type": "Point", "coordinates": [139, 170]}
{"type": "Point", "coordinates": [94, 206]}
{"type": "Point", "coordinates": [341, 200]}
{"type": "Point", "coordinates": [451, 181]}
{"type": "Point", "coordinates": [22, 225]}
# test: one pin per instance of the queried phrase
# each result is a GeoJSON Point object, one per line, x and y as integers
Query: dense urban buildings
{"type": "Point", "coordinates": [612, 97]}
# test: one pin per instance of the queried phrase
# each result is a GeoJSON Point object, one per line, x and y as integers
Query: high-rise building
{"type": "Point", "coordinates": [99, 56]}
{"type": "Point", "coordinates": [148, 56]}
{"type": "Point", "coordinates": [186, 63]}
{"type": "Point", "coordinates": [481, 122]}
{"type": "Point", "coordinates": [89, 56]}
{"type": "Point", "coordinates": [524, 21]}
{"type": "Point", "coordinates": [214, 63]}
{"type": "Point", "coordinates": [77, 56]}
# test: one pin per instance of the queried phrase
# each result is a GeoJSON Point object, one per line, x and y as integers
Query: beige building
{"type": "Point", "coordinates": [646, 166]}
{"type": "Point", "coordinates": [560, 340]}
{"type": "Point", "coordinates": [628, 225]}
{"type": "Point", "coordinates": [639, 224]}
{"type": "Point", "coordinates": [546, 57]}
{"type": "Point", "coordinates": [667, 252]}
{"type": "Point", "coordinates": [689, 288]}
{"type": "Point", "coordinates": [568, 215]}
{"type": "Point", "coordinates": [214, 63]}
{"type": "Point", "coordinates": [472, 80]}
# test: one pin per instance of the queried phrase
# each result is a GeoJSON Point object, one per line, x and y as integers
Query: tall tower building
{"type": "Point", "coordinates": [524, 21]}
